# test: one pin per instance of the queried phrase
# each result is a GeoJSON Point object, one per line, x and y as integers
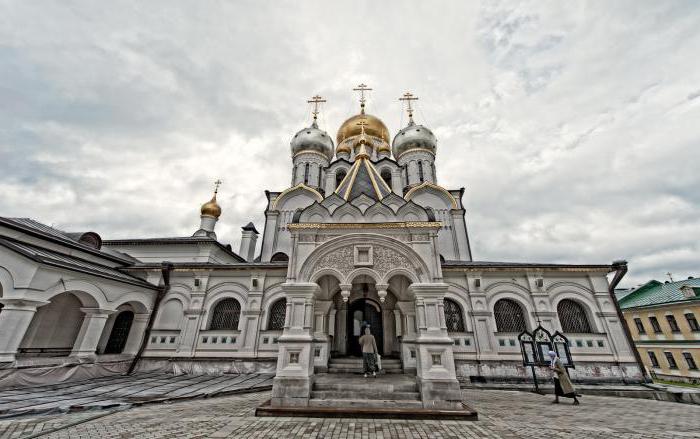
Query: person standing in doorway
{"type": "Point", "coordinates": [562, 382]}
{"type": "Point", "coordinates": [369, 353]}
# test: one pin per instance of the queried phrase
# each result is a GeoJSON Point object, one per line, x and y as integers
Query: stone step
{"type": "Point", "coordinates": [370, 385]}
{"type": "Point", "coordinates": [359, 360]}
{"type": "Point", "coordinates": [369, 394]}
{"type": "Point", "coordinates": [385, 364]}
{"type": "Point", "coordinates": [365, 403]}
{"type": "Point", "coordinates": [356, 370]}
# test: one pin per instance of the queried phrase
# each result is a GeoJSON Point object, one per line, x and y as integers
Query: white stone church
{"type": "Point", "coordinates": [364, 235]}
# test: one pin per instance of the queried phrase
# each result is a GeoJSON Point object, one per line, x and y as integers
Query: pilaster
{"type": "Point", "coordinates": [90, 332]}
{"type": "Point", "coordinates": [15, 318]}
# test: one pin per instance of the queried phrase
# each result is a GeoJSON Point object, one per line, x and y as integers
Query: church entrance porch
{"type": "Point", "coordinates": [363, 313]}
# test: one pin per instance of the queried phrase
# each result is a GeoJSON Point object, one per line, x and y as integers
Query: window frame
{"type": "Point", "coordinates": [641, 330]}
{"type": "Point", "coordinates": [271, 315]}
{"type": "Point", "coordinates": [689, 360]}
{"type": "Point", "coordinates": [671, 360]}
{"type": "Point", "coordinates": [457, 310]}
{"type": "Point", "coordinates": [573, 320]}
{"type": "Point", "coordinates": [219, 319]}
{"type": "Point", "coordinates": [497, 315]}
{"type": "Point", "coordinates": [692, 322]}
{"type": "Point", "coordinates": [655, 325]}
{"type": "Point", "coordinates": [672, 323]}
{"type": "Point", "coordinates": [654, 360]}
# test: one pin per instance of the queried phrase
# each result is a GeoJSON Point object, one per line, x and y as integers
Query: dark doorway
{"type": "Point", "coordinates": [364, 312]}
{"type": "Point", "coordinates": [120, 333]}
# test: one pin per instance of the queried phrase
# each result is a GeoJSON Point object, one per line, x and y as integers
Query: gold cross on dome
{"type": "Point", "coordinates": [362, 88]}
{"type": "Point", "coordinates": [316, 100]}
{"type": "Point", "coordinates": [217, 183]}
{"type": "Point", "coordinates": [408, 98]}
{"type": "Point", "coordinates": [362, 124]}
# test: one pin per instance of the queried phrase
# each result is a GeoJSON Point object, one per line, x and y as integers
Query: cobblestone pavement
{"type": "Point", "coordinates": [503, 414]}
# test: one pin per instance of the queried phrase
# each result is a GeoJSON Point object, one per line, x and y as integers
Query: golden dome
{"type": "Point", "coordinates": [211, 208]}
{"type": "Point", "coordinates": [374, 127]}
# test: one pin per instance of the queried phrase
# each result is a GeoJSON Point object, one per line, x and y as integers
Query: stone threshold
{"type": "Point", "coordinates": [466, 414]}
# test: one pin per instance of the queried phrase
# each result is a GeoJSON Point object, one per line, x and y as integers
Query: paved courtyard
{"type": "Point", "coordinates": [503, 414]}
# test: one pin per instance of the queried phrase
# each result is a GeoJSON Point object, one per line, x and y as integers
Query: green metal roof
{"type": "Point", "coordinates": [655, 293]}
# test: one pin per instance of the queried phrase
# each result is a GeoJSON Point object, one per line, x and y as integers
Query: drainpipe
{"type": "Point", "coordinates": [166, 268]}
{"type": "Point", "coordinates": [620, 268]}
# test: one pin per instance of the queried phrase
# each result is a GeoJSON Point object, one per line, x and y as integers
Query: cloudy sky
{"type": "Point", "coordinates": [573, 126]}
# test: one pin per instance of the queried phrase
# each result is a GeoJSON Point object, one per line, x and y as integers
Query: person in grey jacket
{"type": "Point", "coordinates": [369, 353]}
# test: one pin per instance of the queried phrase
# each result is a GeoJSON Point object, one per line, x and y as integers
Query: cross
{"type": "Point", "coordinates": [362, 124]}
{"type": "Point", "coordinates": [408, 97]}
{"type": "Point", "coordinates": [217, 183]}
{"type": "Point", "coordinates": [669, 276]}
{"type": "Point", "coordinates": [316, 100]}
{"type": "Point", "coordinates": [362, 88]}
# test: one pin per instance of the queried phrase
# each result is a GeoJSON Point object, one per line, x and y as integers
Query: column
{"type": "Point", "coordinates": [88, 338]}
{"type": "Point", "coordinates": [136, 333]}
{"type": "Point", "coordinates": [321, 336]}
{"type": "Point", "coordinates": [435, 363]}
{"type": "Point", "coordinates": [292, 383]}
{"type": "Point", "coordinates": [190, 332]}
{"type": "Point", "coordinates": [15, 318]}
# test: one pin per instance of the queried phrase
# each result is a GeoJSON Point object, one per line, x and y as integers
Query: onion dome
{"type": "Point", "coordinates": [413, 137]}
{"type": "Point", "coordinates": [373, 127]}
{"type": "Point", "coordinates": [312, 139]}
{"type": "Point", "coordinates": [211, 208]}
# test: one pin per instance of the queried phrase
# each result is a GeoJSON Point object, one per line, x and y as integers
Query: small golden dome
{"type": "Point", "coordinates": [373, 127]}
{"type": "Point", "coordinates": [343, 148]}
{"type": "Point", "coordinates": [211, 208]}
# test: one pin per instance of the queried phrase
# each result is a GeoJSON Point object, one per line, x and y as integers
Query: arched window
{"type": "Point", "coordinates": [279, 257]}
{"type": "Point", "coordinates": [386, 176]}
{"type": "Point", "coordinates": [339, 177]}
{"type": "Point", "coordinates": [226, 315]}
{"type": "Point", "coordinates": [120, 333]}
{"type": "Point", "coordinates": [509, 316]}
{"type": "Point", "coordinates": [306, 174]}
{"type": "Point", "coordinates": [453, 316]}
{"type": "Point", "coordinates": [278, 311]}
{"type": "Point", "coordinates": [573, 317]}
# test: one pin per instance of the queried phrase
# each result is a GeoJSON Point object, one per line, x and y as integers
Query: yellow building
{"type": "Point", "coordinates": [663, 320]}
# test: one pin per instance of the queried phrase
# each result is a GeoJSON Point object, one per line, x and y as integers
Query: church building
{"type": "Point", "coordinates": [364, 235]}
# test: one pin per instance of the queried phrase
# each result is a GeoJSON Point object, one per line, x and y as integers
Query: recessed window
{"type": "Point", "coordinates": [413, 354]}
{"type": "Point", "coordinates": [653, 359]}
{"type": "Point", "coordinates": [205, 339]}
{"type": "Point", "coordinates": [579, 343]}
{"type": "Point", "coordinates": [672, 323]}
{"type": "Point", "coordinates": [162, 339]}
{"type": "Point", "coordinates": [589, 343]}
{"type": "Point", "coordinates": [601, 344]}
{"type": "Point", "coordinates": [501, 342]}
{"type": "Point", "coordinates": [172, 339]}
{"type": "Point", "coordinates": [456, 342]}
{"type": "Point", "coordinates": [294, 358]}
{"type": "Point", "coordinates": [153, 339]}
{"type": "Point", "coordinates": [214, 339]}
{"type": "Point", "coordinates": [692, 321]}
{"type": "Point", "coordinates": [266, 340]}
{"type": "Point", "coordinates": [655, 324]}
{"type": "Point", "coordinates": [317, 352]}
{"type": "Point", "coordinates": [233, 340]}
{"type": "Point", "coordinates": [671, 360]}
{"type": "Point", "coordinates": [689, 360]}
{"type": "Point", "coordinates": [467, 342]}
{"type": "Point", "coordinates": [640, 326]}
{"type": "Point", "coordinates": [437, 359]}
{"type": "Point", "coordinates": [511, 342]}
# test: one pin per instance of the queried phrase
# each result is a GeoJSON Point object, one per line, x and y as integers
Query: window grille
{"type": "Point", "coordinates": [509, 316]}
{"type": "Point", "coordinates": [453, 316]}
{"type": "Point", "coordinates": [573, 317]}
{"type": "Point", "coordinates": [278, 311]}
{"type": "Point", "coordinates": [226, 315]}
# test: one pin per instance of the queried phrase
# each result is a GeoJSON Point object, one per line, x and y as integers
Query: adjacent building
{"type": "Point", "coordinates": [663, 320]}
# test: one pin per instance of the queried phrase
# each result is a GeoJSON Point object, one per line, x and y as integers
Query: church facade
{"type": "Point", "coordinates": [364, 235]}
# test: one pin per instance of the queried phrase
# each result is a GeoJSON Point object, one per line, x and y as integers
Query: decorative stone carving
{"type": "Point", "coordinates": [384, 259]}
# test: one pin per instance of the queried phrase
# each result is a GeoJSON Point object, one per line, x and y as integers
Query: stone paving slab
{"type": "Point", "coordinates": [503, 414]}
{"type": "Point", "coordinates": [108, 392]}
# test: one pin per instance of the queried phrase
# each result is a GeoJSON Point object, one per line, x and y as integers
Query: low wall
{"type": "Point", "coordinates": [515, 372]}
{"type": "Point", "coordinates": [206, 366]}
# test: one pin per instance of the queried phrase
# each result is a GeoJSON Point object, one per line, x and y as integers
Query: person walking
{"type": "Point", "coordinates": [562, 382]}
{"type": "Point", "coordinates": [369, 353]}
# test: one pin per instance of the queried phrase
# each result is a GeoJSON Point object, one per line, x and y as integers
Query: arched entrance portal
{"type": "Point", "coordinates": [120, 333]}
{"type": "Point", "coordinates": [364, 312]}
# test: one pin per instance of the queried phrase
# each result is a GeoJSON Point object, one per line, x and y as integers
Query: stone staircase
{"type": "Point", "coordinates": [354, 365]}
{"type": "Point", "coordinates": [353, 391]}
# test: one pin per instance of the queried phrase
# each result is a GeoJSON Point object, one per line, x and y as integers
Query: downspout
{"type": "Point", "coordinates": [620, 268]}
{"type": "Point", "coordinates": [166, 268]}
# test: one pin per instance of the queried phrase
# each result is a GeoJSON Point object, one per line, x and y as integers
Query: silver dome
{"type": "Point", "coordinates": [413, 137]}
{"type": "Point", "coordinates": [313, 139]}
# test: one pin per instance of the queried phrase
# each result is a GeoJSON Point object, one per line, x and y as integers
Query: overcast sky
{"type": "Point", "coordinates": [574, 126]}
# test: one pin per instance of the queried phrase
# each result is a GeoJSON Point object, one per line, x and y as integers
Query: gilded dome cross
{"type": "Point", "coordinates": [362, 88]}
